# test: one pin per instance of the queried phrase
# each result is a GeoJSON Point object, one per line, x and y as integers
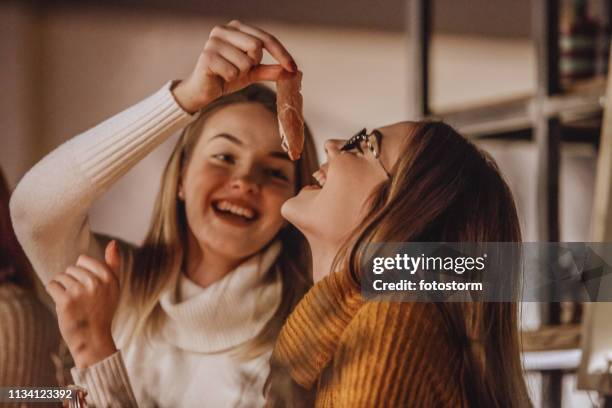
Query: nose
{"type": "Point", "coordinates": [245, 184]}
{"type": "Point", "coordinates": [332, 147]}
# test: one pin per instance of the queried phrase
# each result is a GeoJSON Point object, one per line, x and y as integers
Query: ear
{"type": "Point", "coordinates": [181, 192]}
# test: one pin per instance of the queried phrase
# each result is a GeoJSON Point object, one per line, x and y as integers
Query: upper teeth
{"type": "Point", "coordinates": [236, 209]}
{"type": "Point", "coordinates": [320, 177]}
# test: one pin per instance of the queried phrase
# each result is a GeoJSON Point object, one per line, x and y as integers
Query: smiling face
{"type": "Point", "coordinates": [330, 211]}
{"type": "Point", "coordinates": [236, 180]}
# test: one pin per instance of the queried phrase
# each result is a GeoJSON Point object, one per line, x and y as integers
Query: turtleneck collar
{"type": "Point", "coordinates": [225, 314]}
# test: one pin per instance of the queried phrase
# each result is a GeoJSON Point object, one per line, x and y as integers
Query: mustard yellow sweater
{"type": "Point", "coordinates": [337, 350]}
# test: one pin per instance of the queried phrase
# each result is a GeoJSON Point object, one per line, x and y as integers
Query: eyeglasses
{"type": "Point", "coordinates": [371, 142]}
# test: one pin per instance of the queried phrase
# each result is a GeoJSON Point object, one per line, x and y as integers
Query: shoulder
{"type": "Point", "coordinates": [397, 317]}
{"type": "Point", "coordinates": [29, 338]}
{"type": "Point", "coordinates": [21, 312]}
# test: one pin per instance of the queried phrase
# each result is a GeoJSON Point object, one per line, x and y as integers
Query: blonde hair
{"type": "Point", "coordinates": [158, 263]}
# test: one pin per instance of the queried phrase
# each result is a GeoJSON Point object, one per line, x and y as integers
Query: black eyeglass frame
{"type": "Point", "coordinates": [372, 141]}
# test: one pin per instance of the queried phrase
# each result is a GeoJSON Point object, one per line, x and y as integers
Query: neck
{"type": "Point", "coordinates": [323, 254]}
{"type": "Point", "coordinates": [205, 267]}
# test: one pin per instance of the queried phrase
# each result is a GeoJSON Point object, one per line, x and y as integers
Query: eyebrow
{"type": "Point", "coordinates": [235, 140]}
{"type": "Point", "coordinates": [227, 136]}
{"type": "Point", "coordinates": [279, 155]}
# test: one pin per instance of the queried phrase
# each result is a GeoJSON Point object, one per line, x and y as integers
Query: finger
{"type": "Point", "coordinates": [98, 268]}
{"type": "Point", "coordinates": [84, 276]}
{"type": "Point", "coordinates": [56, 291]}
{"type": "Point", "coordinates": [270, 43]}
{"type": "Point", "coordinates": [70, 284]}
{"type": "Point", "coordinates": [231, 54]}
{"type": "Point", "coordinates": [265, 73]}
{"type": "Point", "coordinates": [218, 65]}
{"type": "Point", "coordinates": [113, 258]}
{"type": "Point", "coordinates": [252, 45]}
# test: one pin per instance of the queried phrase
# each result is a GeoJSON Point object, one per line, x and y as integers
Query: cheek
{"type": "Point", "coordinates": [350, 182]}
{"type": "Point", "coordinates": [198, 184]}
{"type": "Point", "coordinates": [347, 190]}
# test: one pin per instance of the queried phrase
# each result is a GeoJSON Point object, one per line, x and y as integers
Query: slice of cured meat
{"type": "Point", "coordinates": [289, 112]}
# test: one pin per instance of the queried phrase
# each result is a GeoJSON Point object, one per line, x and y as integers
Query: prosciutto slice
{"type": "Point", "coordinates": [289, 112]}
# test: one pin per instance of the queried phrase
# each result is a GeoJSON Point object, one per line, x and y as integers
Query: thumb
{"type": "Point", "coordinates": [112, 257]}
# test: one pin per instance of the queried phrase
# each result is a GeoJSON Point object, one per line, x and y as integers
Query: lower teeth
{"type": "Point", "coordinates": [234, 214]}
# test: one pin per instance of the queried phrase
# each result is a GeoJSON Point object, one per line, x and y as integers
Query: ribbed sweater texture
{"type": "Point", "coordinates": [29, 340]}
{"type": "Point", "coordinates": [349, 352]}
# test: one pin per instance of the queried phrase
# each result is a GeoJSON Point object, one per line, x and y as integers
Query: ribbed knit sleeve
{"type": "Point", "coordinates": [330, 305]}
{"type": "Point", "coordinates": [28, 338]}
{"type": "Point", "coordinates": [49, 206]}
{"type": "Point", "coordinates": [107, 383]}
{"type": "Point", "coordinates": [394, 355]}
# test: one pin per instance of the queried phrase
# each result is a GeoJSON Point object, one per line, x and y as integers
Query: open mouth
{"type": "Point", "coordinates": [320, 177]}
{"type": "Point", "coordinates": [232, 211]}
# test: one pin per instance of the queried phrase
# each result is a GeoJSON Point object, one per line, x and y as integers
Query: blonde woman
{"type": "Point", "coordinates": [193, 311]}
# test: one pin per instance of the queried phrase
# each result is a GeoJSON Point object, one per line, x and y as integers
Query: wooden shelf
{"type": "Point", "coordinates": [559, 337]}
{"type": "Point", "coordinates": [489, 117]}
{"type": "Point", "coordinates": [581, 102]}
{"type": "Point", "coordinates": [552, 360]}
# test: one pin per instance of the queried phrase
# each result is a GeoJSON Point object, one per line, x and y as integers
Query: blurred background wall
{"type": "Point", "coordinates": [66, 66]}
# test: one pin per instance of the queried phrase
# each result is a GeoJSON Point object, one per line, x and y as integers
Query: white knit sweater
{"type": "Point", "coordinates": [190, 361]}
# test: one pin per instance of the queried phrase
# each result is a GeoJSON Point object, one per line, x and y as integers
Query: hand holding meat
{"type": "Point", "coordinates": [230, 61]}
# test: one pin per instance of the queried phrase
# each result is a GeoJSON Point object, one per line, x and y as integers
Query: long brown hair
{"type": "Point", "coordinates": [158, 262]}
{"type": "Point", "coordinates": [445, 189]}
{"type": "Point", "coordinates": [14, 265]}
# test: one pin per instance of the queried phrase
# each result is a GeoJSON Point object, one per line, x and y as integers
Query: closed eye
{"type": "Point", "coordinates": [353, 147]}
{"type": "Point", "coordinates": [278, 174]}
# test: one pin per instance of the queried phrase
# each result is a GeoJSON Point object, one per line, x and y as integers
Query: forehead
{"type": "Point", "coordinates": [254, 125]}
{"type": "Point", "coordinates": [393, 138]}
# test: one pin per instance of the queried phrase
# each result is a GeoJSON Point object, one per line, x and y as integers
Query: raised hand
{"type": "Point", "coordinates": [86, 296]}
{"type": "Point", "coordinates": [231, 60]}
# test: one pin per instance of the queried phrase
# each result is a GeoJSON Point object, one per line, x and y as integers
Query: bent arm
{"type": "Point", "coordinates": [49, 207]}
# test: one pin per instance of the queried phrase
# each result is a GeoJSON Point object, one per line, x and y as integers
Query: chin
{"type": "Point", "coordinates": [228, 241]}
{"type": "Point", "coordinates": [233, 248]}
{"type": "Point", "coordinates": [288, 209]}
{"type": "Point", "coordinates": [295, 211]}
{"type": "Point", "coordinates": [302, 213]}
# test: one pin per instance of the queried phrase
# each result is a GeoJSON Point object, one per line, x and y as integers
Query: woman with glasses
{"type": "Point", "coordinates": [407, 182]}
